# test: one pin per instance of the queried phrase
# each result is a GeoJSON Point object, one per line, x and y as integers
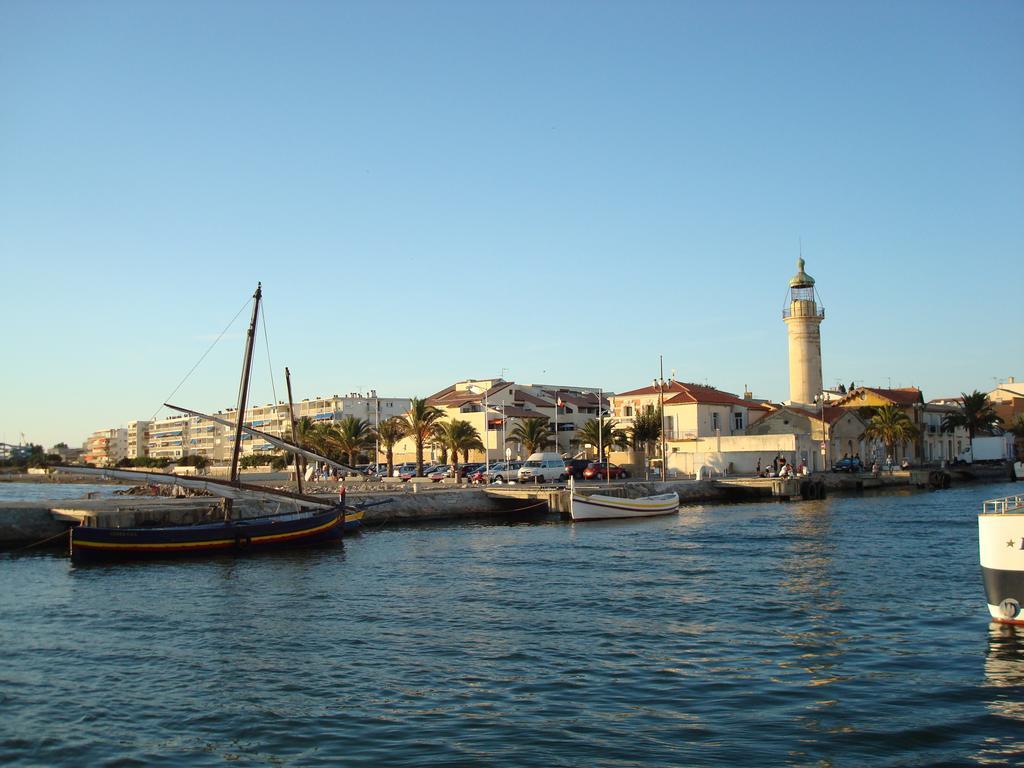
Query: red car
{"type": "Point", "coordinates": [602, 470]}
{"type": "Point", "coordinates": [440, 473]}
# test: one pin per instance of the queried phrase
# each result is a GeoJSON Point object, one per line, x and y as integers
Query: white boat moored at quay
{"type": "Point", "coordinates": [1001, 544]}
{"type": "Point", "coordinates": [600, 507]}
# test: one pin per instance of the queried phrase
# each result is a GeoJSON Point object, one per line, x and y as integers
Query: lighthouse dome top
{"type": "Point", "coordinates": [801, 279]}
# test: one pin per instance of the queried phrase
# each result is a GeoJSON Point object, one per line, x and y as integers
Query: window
{"type": "Point", "coordinates": [627, 410]}
{"type": "Point", "coordinates": [737, 420]}
{"type": "Point", "coordinates": [714, 420]}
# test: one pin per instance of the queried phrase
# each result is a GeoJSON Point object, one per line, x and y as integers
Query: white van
{"type": "Point", "coordinates": [542, 467]}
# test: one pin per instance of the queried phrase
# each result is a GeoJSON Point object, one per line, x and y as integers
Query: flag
{"type": "Point", "coordinates": [560, 403]}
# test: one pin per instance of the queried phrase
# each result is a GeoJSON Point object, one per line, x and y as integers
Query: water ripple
{"type": "Point", "coordinates": [849, 631]}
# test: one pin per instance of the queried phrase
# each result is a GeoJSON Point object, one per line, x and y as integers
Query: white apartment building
{"type": "Point", "coordinates": [938, 444]}
{"type": "Point", "coordinates": [106, 447]}
{"type": "Point", "coordinates": [494, 406]}
{"type": "Point", "coordinates": [138, 439]}
{"type": "Point", "coordinates": [168, 437]}
{"type": "Point", "coordinates": [178, 436]}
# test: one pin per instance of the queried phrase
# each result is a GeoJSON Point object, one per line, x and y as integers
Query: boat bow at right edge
{"type": "Point", "coordinates": [1001, 544]}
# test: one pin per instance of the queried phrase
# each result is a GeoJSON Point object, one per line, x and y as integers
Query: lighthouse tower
{"type": "Point", "coordinates": [803, 317]}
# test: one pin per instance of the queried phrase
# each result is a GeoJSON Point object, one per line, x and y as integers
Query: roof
{"type": "Point", "coordinates": [583, 400]}
{"type": "Point", "coordinates": [832, 413]}
{"type": "Point", "coordinates": [678, 393]}
{"type": "Point", "coordinates": [801, 279]}
{"type": "Point", "coordinates": [899, 396]}
{"type": "Point", "coordinates": [526, 397]}
{"type": "Point", "coordinates": [454, 398]}
{"type": "Point", "coordinates": [514, 412]}
{"type": "Point", "coordinates": [940, 406]}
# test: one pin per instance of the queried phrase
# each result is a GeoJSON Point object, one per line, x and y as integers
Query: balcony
{"type": "Point", "coordinates": [679, 434]}
{"type": "Point", "coordinates": [803, 311]}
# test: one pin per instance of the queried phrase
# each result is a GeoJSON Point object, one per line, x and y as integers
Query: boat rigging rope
{"type": "Point", "coordinates": [200, 360]}
{"type": "Point", "coordinates": [266, 340]}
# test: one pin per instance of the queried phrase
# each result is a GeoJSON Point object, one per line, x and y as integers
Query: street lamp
{"type": "Point", "coordinates": [820, 398]}
{"type": "Point", "coordinates": [487, 452]}
{"type": "Point", "coordinates": [659, 384]}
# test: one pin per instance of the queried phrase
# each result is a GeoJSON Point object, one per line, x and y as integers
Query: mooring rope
{"type": "Point", "coordinates": [42, 541]}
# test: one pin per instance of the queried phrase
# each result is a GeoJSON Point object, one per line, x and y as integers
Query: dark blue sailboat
{"type": "Point", "coordinates": [297, 520]}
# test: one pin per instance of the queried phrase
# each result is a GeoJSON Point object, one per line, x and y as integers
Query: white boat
{"type": "Point", "coordinates": [600, 507]}
{"type": "Point", "coordinates": [1001, 541]}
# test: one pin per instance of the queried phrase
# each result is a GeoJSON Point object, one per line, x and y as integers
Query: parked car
{"type": "Point", "coordinates": [500, 472]}
{"type": "Point", "coordinates": [602, 470]}
{"type": "Point", "coordinates": [575, 467]}
{"type": "Point", "coordinates": [465, 470]}
{"type": "Point", "coordinates": [848, 465]}
{"type": "Point", "coordinates": [542, 467]}
{"type": "Point", "coordinates": [402, 469]}
{"type": "Point", "coordinates": [441, 471]}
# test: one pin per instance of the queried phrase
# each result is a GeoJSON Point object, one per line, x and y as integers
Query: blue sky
{"type": "Point", "coordinates": [556, 191]}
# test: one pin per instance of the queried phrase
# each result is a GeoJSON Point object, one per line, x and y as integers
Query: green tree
{"type": "Point", "coordinates": [534, 434]}
{"type": "Point", "coordinates": [646, 429]}
{"type": "Point", "coordinates": [438, 444]}
{"type": "Point", "coordinates": [352, 435]}
{"type": "Point", "coordinates": [603, 433]}
{"type": "Point", "coordinates": [277, 461]}
{"type": "Point", "coordinates": [458, 435]}
{"type": "Point", "coordinates": [306, 433]}
{"type": "Point", "coordinates": [419, 421]}
{"type": "Point", "coordinates": [197, 460]}
{"type": "Point", "coordinates": [891, 425]}
{"type": "Point", "coordinates": [976, 414]}
{"type": "Point", "coordinates": [390, 432]}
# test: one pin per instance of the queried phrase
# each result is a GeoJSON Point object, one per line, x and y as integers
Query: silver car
{"type": "Point", "coordinates": [503, 472]}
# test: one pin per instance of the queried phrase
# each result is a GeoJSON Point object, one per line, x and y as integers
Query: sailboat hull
{"type": "Point", "coordinates": [288, 531]}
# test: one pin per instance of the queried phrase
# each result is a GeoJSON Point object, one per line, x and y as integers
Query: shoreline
{"type": "Point", "coordinates": [31, 521]}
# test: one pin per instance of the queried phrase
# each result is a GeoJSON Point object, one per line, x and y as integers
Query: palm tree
{"type": "Point", "coordinates": [891, 425]}
{"type": "Point", "coordinates": [437, 443]}
{"type": "Point", "coordinates": [419, 421]}
{"type": "Point", "coordinates": [304, 434]}
{"type": "Point", "coordinates": [604, 435]}
{"type": "Point", "coordinates": [390, 432]}
{"type": "Point", "coordinates": [646, 429]}
{"type": "Point", "coordinates": [458, 435]}
{"type": "Point", "coordinates": [352, 435]}
{"type": "Point", "coordinates": [315, 436]}
{"type": "Point", "coordinates": [328, 440]}
{"type": "Point", "coordinates": [975, 415]}
{"type": "Point", "coordinates": [532, 433]}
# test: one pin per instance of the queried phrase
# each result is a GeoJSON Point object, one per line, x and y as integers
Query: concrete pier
{"type": "Point", "coordinates": [25, 522]}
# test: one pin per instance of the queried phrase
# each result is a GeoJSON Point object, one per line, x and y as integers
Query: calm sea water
{"type": "Point", "coordinates": [850, 631]}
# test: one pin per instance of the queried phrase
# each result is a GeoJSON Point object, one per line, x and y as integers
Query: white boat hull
{"type": "Point", "coordinates": [1001, 544]}
{"type": "Point", "coordinates": [599, 507]}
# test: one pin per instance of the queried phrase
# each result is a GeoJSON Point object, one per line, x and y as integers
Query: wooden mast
{"type": "Point", "coordinates": [243, 392]}
{"type": "Point", "coordinates": [295, 433]}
